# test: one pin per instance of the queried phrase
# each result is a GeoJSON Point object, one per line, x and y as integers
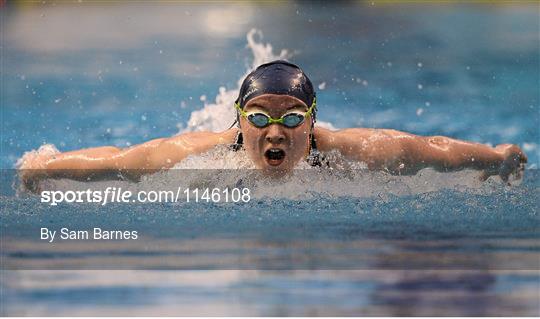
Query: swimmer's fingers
{"type": "Point", "coordinates": [491, 171]}
{"type": "Point", "coordinates": [484, 175]}
{"type": "Point", "coordinates": [511, 154]}
{"type": "Point", "coordinates": [524, 158]}
{"type": "Point", "coordinates": [31, 170]}
{"type": "Point", "coordinates": [519, 172]}
{"type": "Point", "coordinates": [32, 186]}
{"type": "Point", "coordinates": [28, 181]}
{"type": "Point", "coordinates": [513, 161]}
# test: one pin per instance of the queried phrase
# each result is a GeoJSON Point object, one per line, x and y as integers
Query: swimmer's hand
{"type": "Point", "coordinates": [512, 162]}
{"type": "Point", "coordinates": [31, 170]}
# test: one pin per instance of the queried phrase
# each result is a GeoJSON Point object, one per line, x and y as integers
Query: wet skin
{"type": "Point", "coordinates": [276, 148]}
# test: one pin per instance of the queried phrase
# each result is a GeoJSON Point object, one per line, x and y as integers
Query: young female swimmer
{"type": "Point", "coordinates": [276, 112]}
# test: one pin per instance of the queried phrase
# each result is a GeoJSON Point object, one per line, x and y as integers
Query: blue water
{"type": "Point", "coordinates": [81, 76]}
{"type": "Point", "coordinates": [478, 69]}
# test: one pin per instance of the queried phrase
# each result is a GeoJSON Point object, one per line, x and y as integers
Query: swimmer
{"type": "Point", "coordinates": [276, 114]}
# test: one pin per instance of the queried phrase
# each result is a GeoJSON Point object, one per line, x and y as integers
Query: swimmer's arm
{"type": "Point", "coordinates": [132, 162]}
{"type": "Point", "coordinates": [447, 154]}
{"type": "Point", "coordinates": [404, 153]}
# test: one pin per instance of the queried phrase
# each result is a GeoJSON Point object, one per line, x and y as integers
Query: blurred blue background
{"type": "Point", "coordinates": [82, 75]}
{"type": "Point", "coordinates": [108, 73]}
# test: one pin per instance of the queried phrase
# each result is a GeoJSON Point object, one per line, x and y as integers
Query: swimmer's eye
{"type": "Point", "coordinates": [259, 120]}
{"type": "Point", "coordinates": [292, 120]}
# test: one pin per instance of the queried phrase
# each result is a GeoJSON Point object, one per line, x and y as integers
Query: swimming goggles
{"type": "Point", "coordinates": [289, 120]}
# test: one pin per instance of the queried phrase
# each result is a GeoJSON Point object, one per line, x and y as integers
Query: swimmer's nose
{"type": "Point", "coordinates": [275, 135]}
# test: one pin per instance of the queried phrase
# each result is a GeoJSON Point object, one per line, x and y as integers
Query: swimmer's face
{"type": "Point", "coordinates": [276, 147]}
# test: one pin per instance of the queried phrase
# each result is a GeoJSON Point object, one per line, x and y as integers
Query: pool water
{"type": "Point", "coordinates": [367, 244]}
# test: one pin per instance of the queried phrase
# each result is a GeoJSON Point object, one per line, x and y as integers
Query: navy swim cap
{"type": "Point", "coordinates": [277, 77]}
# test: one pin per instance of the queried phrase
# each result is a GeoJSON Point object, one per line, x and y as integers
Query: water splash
{"type": "Point", "coordinates": [221, 168]}
{"type": "Point", "coordinates": [220, 157]}
{"type": "Point", "coordinates": [215, 117]}
{"type": "Point", "coordinates": [45, 150]}
{"type": "Point", "coordinates": [220, 115]}
{"type": "Point", "coordinates": [343, 178]}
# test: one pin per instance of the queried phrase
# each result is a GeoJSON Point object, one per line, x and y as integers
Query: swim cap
{"type": "Point", "coordinates": [276, 77]}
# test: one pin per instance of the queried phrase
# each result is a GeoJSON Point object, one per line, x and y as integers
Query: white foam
{"type": "Point", "coordinates": [28, 157]}
{"type": "Point", "coordinates": [221, 168]}
{"type": "Point", "coordinates": [343, 178]}
{"type": "Point", "coordinates": [220, 157]}
{"type": "Point", "coordinates": [218, 116]}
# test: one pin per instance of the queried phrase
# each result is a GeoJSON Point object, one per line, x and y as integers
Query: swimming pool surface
{"type": "Point", "coordinates": [78, 76]}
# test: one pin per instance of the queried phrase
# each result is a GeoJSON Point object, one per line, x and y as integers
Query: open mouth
{"type": "Point", "coordinates": [274, 156]}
